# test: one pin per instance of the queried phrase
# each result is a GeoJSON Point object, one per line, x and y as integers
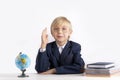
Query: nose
{"type": "Point", "coordinates": [60, 31]}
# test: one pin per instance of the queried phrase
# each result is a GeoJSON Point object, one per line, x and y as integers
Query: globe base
{"type": "Point", "coordinates": [23, 74]}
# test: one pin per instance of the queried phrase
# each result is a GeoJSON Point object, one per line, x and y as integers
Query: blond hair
{"type": "Point", "coordinates": [60, 21]}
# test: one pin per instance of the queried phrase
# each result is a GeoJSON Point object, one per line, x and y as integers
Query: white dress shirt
{"type": "Point", "coordinates": [60, 48]}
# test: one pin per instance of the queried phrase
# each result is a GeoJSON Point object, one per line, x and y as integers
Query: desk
{"type": "Point", "coordinates": [34, 76]}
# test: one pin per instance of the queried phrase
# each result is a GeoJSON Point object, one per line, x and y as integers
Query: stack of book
{"type": "Point", "coordinates": [101, 68]}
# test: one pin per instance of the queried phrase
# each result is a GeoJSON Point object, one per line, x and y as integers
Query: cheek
{"type": "Point", "coordinates": [54, 35]}
{"type": "Point", "coordinates": [67, 34]}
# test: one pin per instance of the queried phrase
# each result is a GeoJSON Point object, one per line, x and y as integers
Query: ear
{"type": "Point", "coordinates": [70, 32]}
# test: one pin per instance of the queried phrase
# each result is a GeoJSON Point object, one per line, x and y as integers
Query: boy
{"type": "Point", "coordinates": [60, 56]}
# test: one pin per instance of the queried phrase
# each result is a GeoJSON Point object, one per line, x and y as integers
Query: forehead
{"type": "Point", "coordinates": [63, 24]}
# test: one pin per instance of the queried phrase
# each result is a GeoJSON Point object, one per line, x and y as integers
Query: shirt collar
{"type": "Point", "coordinates": [61, 46]}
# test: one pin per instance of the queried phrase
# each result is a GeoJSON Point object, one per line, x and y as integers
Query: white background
{"type": "Point", "coordinates": [95, 26]}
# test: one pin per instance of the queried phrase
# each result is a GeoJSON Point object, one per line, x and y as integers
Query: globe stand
{"type": "Point", "coordinates": [23, 74]}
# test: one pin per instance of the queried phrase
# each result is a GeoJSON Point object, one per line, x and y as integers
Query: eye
{"type": "Point", "coordinates": [56, 29]}
{"type": "Point", "coordinates": [64, 28]}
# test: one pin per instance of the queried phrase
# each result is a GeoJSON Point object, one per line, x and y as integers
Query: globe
{"type": "Point", "coordinates": [22, 62]}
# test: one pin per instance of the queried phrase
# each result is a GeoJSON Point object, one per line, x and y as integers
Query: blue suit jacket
{"type": "Point", "coordinates": [68, 62]}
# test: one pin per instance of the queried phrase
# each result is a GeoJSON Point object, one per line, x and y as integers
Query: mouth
{"type": "Point", "coordinates": [59, 36]}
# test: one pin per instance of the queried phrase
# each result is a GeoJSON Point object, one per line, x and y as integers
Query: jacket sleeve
{"type": "Point", "coordinates": [76, 67]}
{"type": "Point", "coordinates": [42, 62]}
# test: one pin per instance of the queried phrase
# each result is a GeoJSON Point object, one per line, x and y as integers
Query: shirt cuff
{"type": "Point", "coordinates": [42, 50]}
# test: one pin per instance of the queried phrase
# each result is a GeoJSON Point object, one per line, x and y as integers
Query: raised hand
{"type": "Point", "coordinates": [44, 38]}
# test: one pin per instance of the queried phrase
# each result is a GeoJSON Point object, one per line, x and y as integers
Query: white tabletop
{"type": "Point", "coordinates": [35, 76]}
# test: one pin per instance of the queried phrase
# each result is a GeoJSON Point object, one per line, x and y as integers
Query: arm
{"type": "Point", "coordinates": [42, 61]}
{"type": "Point", "coordinates": [50, 71]}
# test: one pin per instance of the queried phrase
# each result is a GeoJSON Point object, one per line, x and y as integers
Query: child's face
{"type": "Point", "coordinates": [61, 33]}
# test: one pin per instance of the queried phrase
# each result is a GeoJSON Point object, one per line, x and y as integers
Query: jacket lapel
{"type": "Point", "coordinates": [65, 52]}
{"type": "Point", "coordinates": [55, 51]}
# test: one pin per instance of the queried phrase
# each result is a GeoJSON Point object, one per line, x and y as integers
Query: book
{"type": "Point", "coordinates": [102, 72]}
{"type": "Point", "coordinates": [101, 65]}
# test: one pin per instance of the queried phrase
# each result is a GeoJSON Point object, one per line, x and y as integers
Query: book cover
{"type": "Point", "coordinates": [101, 65]}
